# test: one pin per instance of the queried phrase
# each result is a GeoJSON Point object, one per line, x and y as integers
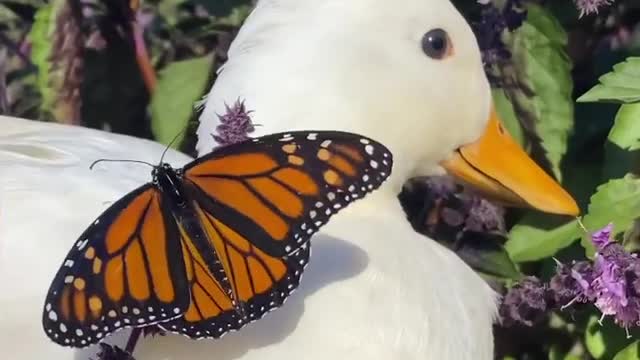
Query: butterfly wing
{"type": "Point", "coordinates": [278, 190]}
{"type": "Point", "coordinates": [260, 282]}
{"type": "Point", "coordinates": [125, 270]}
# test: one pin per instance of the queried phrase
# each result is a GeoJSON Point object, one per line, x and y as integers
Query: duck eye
{"type": "Point", "coordinates": [436, 44]}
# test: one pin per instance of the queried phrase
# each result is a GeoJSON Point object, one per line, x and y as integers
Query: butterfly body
{"type": "Point", "coordinates": [206, 249]}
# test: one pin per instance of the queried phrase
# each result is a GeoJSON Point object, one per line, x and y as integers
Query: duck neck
{"type": "Point", "coordinates": [382, 203]}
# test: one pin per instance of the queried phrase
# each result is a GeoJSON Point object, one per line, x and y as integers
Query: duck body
{"type": "Point", "coordinates": [366, 292]}
{"type": "Point", "coordinates": [48, 197]}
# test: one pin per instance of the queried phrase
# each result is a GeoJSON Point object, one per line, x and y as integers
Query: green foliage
{"type": "Point", "coordinates": [631, 352]}
{"type": "Point", "coordinates": [622, 85]}
{"type": "Point", "coordinates": [542, 97]}
{"type": "Point", "coordinates": [623, 142]}
{"type": "Point", "coordinates": [617, 201]}
{"type": "Point", "coordinates": [41, 43]}
{"type": "Point", "coordinates": [536, 237]}
{"type": "Point", "coordinates": [508, 116]}
{"type": "Point", "coordinates": [604, 341]}
{"type": "Point", "coordinates": [180, 84]}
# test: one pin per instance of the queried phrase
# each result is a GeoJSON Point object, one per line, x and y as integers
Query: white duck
{"type": "Point", "coordinates": [374, 288]}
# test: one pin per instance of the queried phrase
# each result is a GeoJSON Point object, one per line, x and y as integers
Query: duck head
{"type": "Point", "coordinates": [408, 74]}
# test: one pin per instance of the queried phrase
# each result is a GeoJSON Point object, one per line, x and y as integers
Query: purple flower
{"type": "Point", "coordinates": [611, 283]}
{"type": "Point", "coordinates": [484, 216]}
{"type": "Point", "coordinates": [587, 7]}
{"type": "Point", "coordinates": [572, 284]}
{"type": "Point", "coordinates": [235, 125]}
{"type": "Point", "coordinates": [602, 237]}
{"type": "Point", "coordinates": [489, 29]}
{"type": "Point", "coordinates": [525, 303]}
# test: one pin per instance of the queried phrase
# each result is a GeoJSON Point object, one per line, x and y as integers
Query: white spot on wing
{"type": "Point", "coordinates": [368, 149]}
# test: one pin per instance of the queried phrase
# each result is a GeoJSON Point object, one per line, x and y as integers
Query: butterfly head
{"type": "Point", "coordinates": [169, 181]}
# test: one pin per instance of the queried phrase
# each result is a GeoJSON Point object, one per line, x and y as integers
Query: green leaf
{"type": "Point", "coordinates": [180, 85]}
{"type": "Point", "coordinates": [508, 116]}
{"type": "Point", "coordinates": [41, 45]}
{"type": "Point", "coordinates": [623, 143]}
{"type": "Point", "coordinates": [542, 85]}
{"type": "Point", "coordinates": [616, 201]}
{"type": "Point", "coordinates": [631, 352]}
{"type": "Point", "coordinates": [606, 340]}
{"type": "Point", "coordinates": [556, 353]}
{"type": "Point", "coordinates": [622, 85]}
{"type": "Point", "coordinates": [485, 254]}
{"type": "Point", "coordinates": [538, 236]}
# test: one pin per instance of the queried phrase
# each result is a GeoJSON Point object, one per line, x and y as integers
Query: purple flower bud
{"type": "Point", "coordinates": [616, 295]}
{"type": "Point", "coordinates": [484, 216]}
{"type": "Point", "coordinates": [235, 125]}
{"type": "Point", "coordinates": [452, 217]}
{"type": "Point", "coordinates": [525, 303]}
{"type": "Point", "coordinates": [441, 186]}
{"type": "Point", "coordinates": [602, 237]}
{"type": "Point", "coordinates": [572, 283]}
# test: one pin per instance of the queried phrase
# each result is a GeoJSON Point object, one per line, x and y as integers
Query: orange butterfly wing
{"type": "Point", "coordinates": [125, 270]}
{"type": "Point", "coordinates": [279, 189]}
{"type": "Point", "coordinates": [252, 207]}
{"type": "Point", "coordinates": [260, 282]}
{"type": "Point", "coordinates": [259, 202]}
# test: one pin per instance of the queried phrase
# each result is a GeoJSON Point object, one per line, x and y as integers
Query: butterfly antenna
{"type": "Point", "coordinates": [117, 160]}
{"type": "Point", "coordinates": [171, 143]}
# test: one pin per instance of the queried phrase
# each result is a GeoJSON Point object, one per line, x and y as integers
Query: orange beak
{"type": "Point", "coordinates": [500, 169]}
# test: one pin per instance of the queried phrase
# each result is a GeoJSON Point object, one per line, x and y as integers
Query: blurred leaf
{"type": "Point", "coordinates": [555, 353]}
{"type": "Point", "coordinates": [236, 16]}
{"type": "Point", "coordinates": [616, 201]}
{"type": "Point", "coordinates": [540, 84]}
{"type": "Point", "coordinates": [622, 85]}
{"type": "Point", "coordinates": [623, 143]}
{"type": "Point", "coordinates": [538, 236]}
{"type": "Point", "coordinates": [606, 340]}
{"type": "Point", "coordinates": [180, 84]}
{"type": "Point", "coordinates": [484, 253]}
{"type": "Point", "coordinates": [41, 45]}
{"type": "Point", "coordinates": [508, 116]}
{"type": "Point", "coordinates": [25, 9]}
{"type": "Point", "coordinates": [631, 352]}
{"type": "Point", "coordinates": [221, 8]}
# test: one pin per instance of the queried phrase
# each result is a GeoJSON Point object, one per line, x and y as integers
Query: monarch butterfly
{"type": "Point", "coordinates": [208, 248]}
